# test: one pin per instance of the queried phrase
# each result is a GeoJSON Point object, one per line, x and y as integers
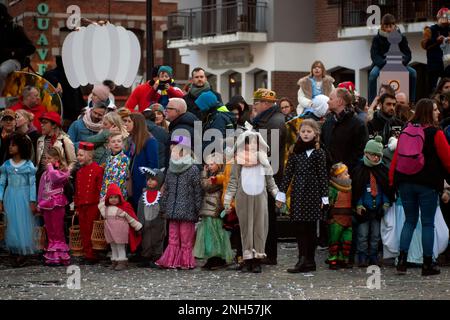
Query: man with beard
{"type": "Point", "coordinates": [199, 85]}
{"type": "Point", "coordinates": [384, 119]}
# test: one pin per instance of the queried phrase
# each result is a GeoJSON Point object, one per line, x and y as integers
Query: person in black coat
{"type": "Point", "coordinates": [199, 85]}
{"type": "Point", "coordinates": [343, 133]}
{"type": "Point", "coordinates": [380, 47]}
{"type": "Point", "coordinates": [15, 46]}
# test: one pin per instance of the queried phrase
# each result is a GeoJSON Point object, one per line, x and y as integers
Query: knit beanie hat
{"type": "Point", "coordinates": [166, 69]}
{"type": "Point", "coordinates": [375, 146]}
{"type": "Point", "coordinates": [320, 105]}
{"type": "Point", "coordinates": [206, 101]}
{"type": "Point", "coordinates": [101, 91]}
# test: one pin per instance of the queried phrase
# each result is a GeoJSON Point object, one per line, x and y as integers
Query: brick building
{"type": "Point", "coordinates": [45, 24]}
{"type": "Point", "coordinates": [246, 44]}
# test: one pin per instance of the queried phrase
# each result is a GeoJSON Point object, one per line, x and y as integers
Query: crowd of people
{"type": "Point", "coordinates": [333, 163]}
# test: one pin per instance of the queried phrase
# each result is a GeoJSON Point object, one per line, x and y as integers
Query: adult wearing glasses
{"type": "Point", "coordinates": [90, 124]}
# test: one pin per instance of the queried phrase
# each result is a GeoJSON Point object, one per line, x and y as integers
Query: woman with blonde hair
{"type": "Point", "coordinates": [112, 123]}
{"type": "Point", "coordinates": [312, 85]}
{"type": "Point", "coordinates": [24, 124]}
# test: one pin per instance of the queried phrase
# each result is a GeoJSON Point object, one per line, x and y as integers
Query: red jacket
{"type": "Point", "coordinates": [144, 95]}
{"type": "Point", "coordinates": [37, 110]}
{"type": "Point", "coordinates": [134, 238]}
{"type": "Point", "coordinates": [88, 184]}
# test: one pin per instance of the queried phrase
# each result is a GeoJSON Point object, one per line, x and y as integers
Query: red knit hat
{"type": "Point", "coordinates": [53, 117]}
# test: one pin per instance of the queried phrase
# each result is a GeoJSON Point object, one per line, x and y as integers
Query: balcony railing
{"type": "Point", "coordinates": [353, 13]}
{"type": "Point", "coordinates": [230, 17]}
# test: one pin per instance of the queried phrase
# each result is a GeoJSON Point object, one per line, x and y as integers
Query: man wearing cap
{"type": "Point", "coordinates": [199, 85]}
{"type": "Point", "coordinates": [31, 103]}
{"type": "Point", "coordinates": [160, 92]}
{"type": "Point", "coordinates": [8, 124]}
{"type": "Point", "coordinates": [269, 119]}
{"type": "Point", "coordinates": [89, 125]}
{"type": "Point", "coordinates": [88, 184]}
{"type": "Point", "coordinates": [433, 37]}
{"type": "Point", "coordinates": [53, 136]}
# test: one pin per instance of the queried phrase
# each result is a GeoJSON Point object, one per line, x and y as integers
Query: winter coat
{"type": "Point", "coordinates": [220, 119]}
{"type": "Point", "coordinates": [79, 132]}
{"type": "Point", "coordinates": [380, 46]}
{"type": "Point", "coordinates": [380, 125]}
{"type": "Point", "coordinates": [163, 138]}
{"type": "Point", "coordinates": [182, 198]}
{"type": "Point", "coordinates": [145, 95]}
{"type": "Point", "coordinates": [269, 120]}
{"type": "Point", "coordinates": [309, 179]}
{"type": "Point", "coordinates": [192, 107]}
{"type": "Point", "coordinates": [212, 200]}
{"type": "Point", "coordinates": [186, 122]}
{"type": "Point", "coordinates": [433, 47]}
{"type": "Point", "coordinates": [344, 137]}
{"type": "Point", "coordinates": [51, 188]}
{"type": "Point", "coordinates": [101, 151]}
{"type": "Point", "coordinates": [305, 91]}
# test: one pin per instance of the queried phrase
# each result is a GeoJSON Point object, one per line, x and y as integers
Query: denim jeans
{"type": "Point", "coordinates": [368, 235]}
{"type": "Point", "coordinates": [373, 76]}
{"type": "Point", "coordinates": [415, 196]}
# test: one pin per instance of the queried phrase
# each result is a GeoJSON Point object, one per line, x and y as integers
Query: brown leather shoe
{"type": "Point", "coordinates": [121, 265]}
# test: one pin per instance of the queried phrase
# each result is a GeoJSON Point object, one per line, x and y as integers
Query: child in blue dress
{"type": "Point", "coordinates": [18, 198]}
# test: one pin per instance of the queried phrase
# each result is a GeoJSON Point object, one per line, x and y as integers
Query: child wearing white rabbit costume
{"type": "Point", "coordinates": [250, 179]}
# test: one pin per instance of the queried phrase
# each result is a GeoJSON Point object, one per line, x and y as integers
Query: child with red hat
{"type": "Point", "coordinates": [120, 216]}
{"type": "Point", "coordinates": [88, 184]}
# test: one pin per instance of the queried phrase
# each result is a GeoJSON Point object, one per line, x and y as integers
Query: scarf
{"type": "Point", "coordinates": [344, 185]}
{"type": "Point", "coordinates": [197, 91]}
{"type": "Point", "coordinates": [369, 163]}
{"type": "Point", "coordinates": [180, 165]}
{"type": "Point", "coordinates": [302, 146]}
{"type": "Point", "coordinates": [96, 127]}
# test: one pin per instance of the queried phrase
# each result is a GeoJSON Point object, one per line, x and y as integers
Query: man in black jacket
{"type": "Point", "coordinates": [15, 46]}
{"type": "Point", "coordinates": [199, 85]}
{"type": "Point", "coordinates": [343, 133]}
{"type": "Point", "coordinates": [380, 46]}
{"type": "Point", "coordinates": [384, 120]}
{"type": "Point", "coordinates": [270, 118]}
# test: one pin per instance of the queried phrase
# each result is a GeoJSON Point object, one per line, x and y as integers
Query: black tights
{"type": "Point", "coordinates": [306, 239]}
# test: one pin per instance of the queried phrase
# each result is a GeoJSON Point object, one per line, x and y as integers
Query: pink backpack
{"type": "Point", "coordinates": [410, 149]}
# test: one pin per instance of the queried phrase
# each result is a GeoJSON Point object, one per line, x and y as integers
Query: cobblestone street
{"type": "Point", "coordinates": [98, 282]}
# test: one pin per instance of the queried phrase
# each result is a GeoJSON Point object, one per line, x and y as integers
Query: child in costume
{"type": "Point", "coordinates": [340, 217]}
{"type": "Point", "coordinates": [52, 202]}
{"type": "Point", "coordinates": [164, 88]}
{"type": "Point", "coordinates": [117, 164]}
{"type": "Point", "coordinates": [212, 242]}
{"type": "Point", "coordinates": [18, 198]}
{"type": "Point", "coordinates": [149, 215]}
{"type": "Point", "coordinates": [88, 182]}
{"type": "Point", "coordinates": [181, 202]}
{"type": "Point", "coordinates": [306, 169]}
{"type": "Point", "coordinates": [251, 177]}
{"type": "Point", "coordinates": [119, 216]}
{"type": "Point", "coordinates": [371, 197]}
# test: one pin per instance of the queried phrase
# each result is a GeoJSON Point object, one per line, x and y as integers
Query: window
{"type": "Point", "coordinates": [260, 79]}
{"type": "Point", "coordinates": [235, 84]}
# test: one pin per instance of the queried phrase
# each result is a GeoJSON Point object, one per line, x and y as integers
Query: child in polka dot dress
{"type": "Point", "coordinates": [306, 169]}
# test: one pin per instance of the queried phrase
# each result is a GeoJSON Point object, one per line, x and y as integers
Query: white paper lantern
{"type": "Point", "coordinates": [95, 53]}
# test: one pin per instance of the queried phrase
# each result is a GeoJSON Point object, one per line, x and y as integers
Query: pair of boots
{"type": "Point", "coordinates": [119, 265]}
{"type": "Point", "coordinates": [252, 265]}
{"type": "Point", "coordinates": [303, 265]}
{"type": "Point", "coordinates": [428, 268]}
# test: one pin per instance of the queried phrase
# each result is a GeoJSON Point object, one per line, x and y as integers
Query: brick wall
{"type": "Point", "coordinates": [100, 7]}
{"type": "Point", "coordinates": [327, 21]}
{"type": "Point", "coordinates": [284, 83]}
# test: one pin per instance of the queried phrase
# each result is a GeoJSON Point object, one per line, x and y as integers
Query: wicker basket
{"type": "Point", "coordinates": [40, 238]}
{"type": "Point", "coordinates": [2, 228]}
{"type": "Point", "coordinates": [98, 235]}
{"type": "Point", "coordinates": [75, 244]}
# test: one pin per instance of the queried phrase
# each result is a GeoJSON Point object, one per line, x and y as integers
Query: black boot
{"type": "Point", "coordinates": [308, 265]}
{"type": "Point", "coordinates": [402, 262]}
{"type": "Point", "coordinates": [296, 268]}
{"type": "Point", "coordinates": [248, 265]}
{"type": "Point", "coordinates": [428, 268]}
{"type": "Point", "coordinates": [256, 266]}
